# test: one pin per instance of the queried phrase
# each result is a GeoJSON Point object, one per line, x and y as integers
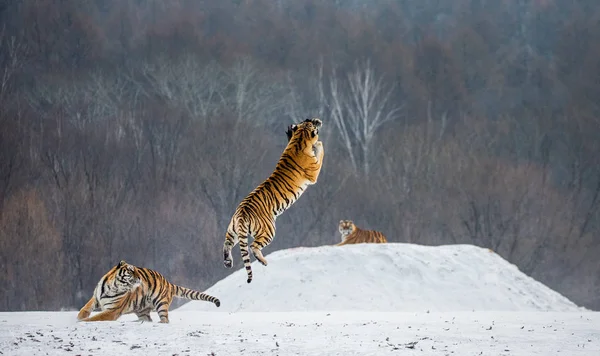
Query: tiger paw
{"type": "Point", "coordinates": [83, 314]}
{"type": "Point", "coordinates": [317, 148]}
{"type": "Point", "coordinates": [228, 263]}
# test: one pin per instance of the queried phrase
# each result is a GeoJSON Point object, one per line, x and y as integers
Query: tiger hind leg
{"type": "Point", "coordinates": [230, 241]}
{"type": "Point", "coordinates": [163, 311]}
{"type": "Point", "coordinates": [259, 243]}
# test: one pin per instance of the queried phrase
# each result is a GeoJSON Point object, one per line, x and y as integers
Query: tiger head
{"type": "Point", "coordinates": [307, 130]}
{"type": "Point", "coordinates": [126, 276]}
{"type": "Point", "coordinates": [346, 227]}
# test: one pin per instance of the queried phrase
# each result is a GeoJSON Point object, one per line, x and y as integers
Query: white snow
{"type": "Point", "coordinates": [384, 277]}
{"type": "Point", "coordinates": [352, 300]}
{"type": "Point", "coordinates": [306, 333]}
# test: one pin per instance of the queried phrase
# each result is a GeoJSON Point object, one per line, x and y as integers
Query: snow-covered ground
{"type": "Point", "coordinates": [384, 277]}
{"type": "Point", "coordinates": [352, 300]}
{"type": "Point", "coordinates": [307, 333]}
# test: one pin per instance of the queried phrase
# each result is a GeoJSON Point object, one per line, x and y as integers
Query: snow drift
{"type": "Point", "coordinates": [384, 277]}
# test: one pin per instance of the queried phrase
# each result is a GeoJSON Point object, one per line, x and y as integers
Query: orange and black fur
{"type": "Point", "coordinates": [353, 235]}
{"type": "Point", "coordinates": [129, 289]}
{"type": "Point", "coordinates": [298, 167]}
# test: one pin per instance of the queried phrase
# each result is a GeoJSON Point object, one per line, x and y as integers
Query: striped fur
{"type": "Point", "coordinates": [129, 289]}
{"type": "Point", "coordinates": [353, 235]}
{"type": "Point", "coordinates": [298, 167]}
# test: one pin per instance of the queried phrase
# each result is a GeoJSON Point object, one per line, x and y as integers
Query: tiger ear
{"type": "Point", "coordinates": [122, 263]}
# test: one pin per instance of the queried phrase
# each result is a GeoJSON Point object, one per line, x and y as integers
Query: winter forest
{"type": "Point", "coordinates": [132, 129]}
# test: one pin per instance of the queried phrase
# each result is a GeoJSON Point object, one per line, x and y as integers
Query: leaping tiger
{"type": "Point", "coordinates": [298, 167]}
{"type": "Point", "coordinates": [129, 289]}
{"type": "Point", "coordinates": [351, 234]}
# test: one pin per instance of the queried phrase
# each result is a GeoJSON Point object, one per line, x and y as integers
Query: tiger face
{"type": "Point", "coordinates": [126, 276]}
{"type": "Point", "coordinates": [346, 227]}
{"type": "Point", "coordinates": [307, 130]}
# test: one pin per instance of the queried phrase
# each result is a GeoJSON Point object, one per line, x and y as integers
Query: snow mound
{"type": "Point", "coordinates": [383, 277]}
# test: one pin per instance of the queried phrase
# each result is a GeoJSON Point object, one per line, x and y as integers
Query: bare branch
{"type": "Point", "coordinates": [361, 105]}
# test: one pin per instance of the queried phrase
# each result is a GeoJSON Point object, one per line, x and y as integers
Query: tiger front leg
{"type": "Point", "coordinates": [144, 315]}
{"type": "Point", "coordinates": [319, 152]}
{"type": "Point", "coordinates": [87, 309]}
{"type": "Point", "coordinates": [318, 162]}
{"type": "Point", "coordinates": [107, 315]}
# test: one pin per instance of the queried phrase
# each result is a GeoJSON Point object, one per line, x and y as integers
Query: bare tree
{"type": "Point", "coordinates": [26, 230]}
{"type": "Point", "coordinates": [79, 155]}
{"type": "Point", "coordinates": [186, 82]}
{"type": "Point", "coordinates": [11, 52]}
{"type": "Point", "coordinates": [307, 97]}
{"type": "Point", "coordinates": [360, 105]}
{"type": "Point", "coordinates": [209, 90]}
{"type": "Point", "coordinates": [251, 96]}
{"type": "Point", "coordinates": [306, 94]}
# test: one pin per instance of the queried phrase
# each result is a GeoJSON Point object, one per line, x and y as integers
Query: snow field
{"type": "Point", "coordinates": [306, 333]}
{"type": "Point", "coordinates": [380, 299]}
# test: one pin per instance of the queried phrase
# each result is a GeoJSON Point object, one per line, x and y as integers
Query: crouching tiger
{"type": "Point", "coordinates": [298, 167]}
{"type": "Point", "coordinates": [353, 235]}
{"type": "Point", "coordinates": [129, 289]}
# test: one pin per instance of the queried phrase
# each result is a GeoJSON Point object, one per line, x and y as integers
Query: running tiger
{"type": "Point", "coordinates": [129, 289]}
{"type": "Point", "coordinates": [353, 235]}
{"type": "Point", "coordinates": [298, 167]}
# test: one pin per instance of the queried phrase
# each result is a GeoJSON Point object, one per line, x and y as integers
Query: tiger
{"type": "Point", "coordinates": [353, 235]}
{"type": "Point", "coordinates": [298, 167]}
{"type": "Point", "coordinates": [129, 289]}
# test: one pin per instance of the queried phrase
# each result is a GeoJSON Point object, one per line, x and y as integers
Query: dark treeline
{"type": "Point", "coordinates": [131, 130]}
